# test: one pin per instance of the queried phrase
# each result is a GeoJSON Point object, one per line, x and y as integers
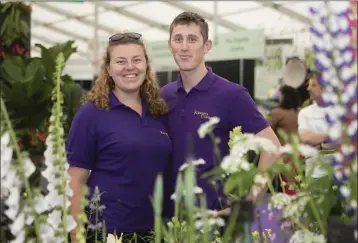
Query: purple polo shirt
{"type": "Point", "coordinates": [212, 96]}
{"type": "Point", "coordinates": [125, 152]}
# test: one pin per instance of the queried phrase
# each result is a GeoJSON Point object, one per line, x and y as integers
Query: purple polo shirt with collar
{"type": "Point", "coordinates": [125, 152]}
{"type": "Point", "coordinates": [212, 96]}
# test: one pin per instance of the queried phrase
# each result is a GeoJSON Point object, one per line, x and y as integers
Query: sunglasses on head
{"type": "Point", "coordinates": [121, 36]}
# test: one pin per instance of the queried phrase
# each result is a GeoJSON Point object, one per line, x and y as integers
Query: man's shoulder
{"type": "Point", "coordinates": [168, 90]}
{"type": "Point", "coordinates": [306, 110]}
{"type": "Point", "coordinates": [229, 88]}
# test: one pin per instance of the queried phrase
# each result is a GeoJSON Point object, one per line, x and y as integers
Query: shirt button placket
{"type": "Point", "coordinates": [182, 108]}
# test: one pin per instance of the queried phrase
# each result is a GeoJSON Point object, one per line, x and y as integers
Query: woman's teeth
{"type": "Point", "coordinates": [130, 76]}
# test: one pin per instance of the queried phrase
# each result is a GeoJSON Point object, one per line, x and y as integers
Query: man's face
{"type": "Point", "coordinates": [188, 47]}
{"type": "Point", "coordinates": [314, 88]}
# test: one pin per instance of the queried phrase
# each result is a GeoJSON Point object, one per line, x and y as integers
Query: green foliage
{"type": "Point", "coordinates": [323, 195]}
{"type": "Point", "coordinates": [14, 27]}
{"type": "Point", "coordinates": [240, 182]}
{"type": "Point", "coordinates": [29, 98]}
{"type": "Point", "coordinates": [234, 133]}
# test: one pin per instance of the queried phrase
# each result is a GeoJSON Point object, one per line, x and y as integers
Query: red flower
{"type": "Point", "coordinates": [41, 135]}
{"type": "Point", "coordinates": [19, 143]}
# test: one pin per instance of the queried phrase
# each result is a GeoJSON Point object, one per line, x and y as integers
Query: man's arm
{"type": "Point", "coordinates": [266, 160]}
{"type": "Point", "coordinates": [304, 132]}
{"type": "Point", "coordinates": [252, 121]}
{"type": "Point", "coordinates": [311, 138]}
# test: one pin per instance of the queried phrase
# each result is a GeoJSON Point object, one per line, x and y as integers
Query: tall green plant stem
{"type": "Point", "coordinates": [58, 137]}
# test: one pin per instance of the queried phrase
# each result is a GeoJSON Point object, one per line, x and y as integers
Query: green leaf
{"type": "Point", "coordinates": [231, 183]}
{"type": "Point", "coordinates": [158, 195]}
{"type": "Point", "coordinates": [279, 168]}
{"type": "Point", "coordinates": [31, 69]}
{"type": "Point", "coordinates": [323, 195]}
{"type": "Point", "coordinates": [13, 67]}
{"type": "Point", "coordinates": [25, 28]}
{"type": "Point", "coordinates": [241, 182]}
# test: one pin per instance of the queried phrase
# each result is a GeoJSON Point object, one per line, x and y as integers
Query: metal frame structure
{"type": "Point", "coordinates": [128, 10]}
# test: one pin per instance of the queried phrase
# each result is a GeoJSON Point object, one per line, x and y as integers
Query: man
{"type": "Point", "coordinates": [312, 126]}
{"type": "Point", "coordinates": [199, 94]}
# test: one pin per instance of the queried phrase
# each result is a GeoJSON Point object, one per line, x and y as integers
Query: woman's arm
{"type": "Point", "coordinates": [79, 178]}
{"type": "Point", "coordinates": [274, 119]}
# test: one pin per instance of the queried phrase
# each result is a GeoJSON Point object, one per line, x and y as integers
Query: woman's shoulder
{"type": "Point", "coordinates": [87, 110]}
{"type": "Point", "coordinates": [277, 111]}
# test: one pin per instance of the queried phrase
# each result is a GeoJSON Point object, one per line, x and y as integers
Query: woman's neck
{"type": "Point", "coordinates": [127, 98]}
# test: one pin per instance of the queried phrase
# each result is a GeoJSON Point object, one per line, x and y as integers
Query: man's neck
{"type": "Point", "coordinates": [319, 103]}
{"type": "Point", "coordinates": [191, 78]}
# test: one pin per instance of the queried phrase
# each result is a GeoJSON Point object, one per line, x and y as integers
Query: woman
{"type": "Point", "coordinates": [118, 136]}
{"type": "Point", "coordinates": [285, 118]}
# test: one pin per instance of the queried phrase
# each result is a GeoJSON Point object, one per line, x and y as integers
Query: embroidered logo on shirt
{"type": "Point", "coordinates": [164, 133]}
{"type": "Point", "coordinates": [202, 114]}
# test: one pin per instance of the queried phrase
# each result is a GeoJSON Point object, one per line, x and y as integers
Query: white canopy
{"type": "Point", "coordinates": [57, 22]}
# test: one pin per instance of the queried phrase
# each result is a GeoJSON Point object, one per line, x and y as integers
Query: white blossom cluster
{"type": "Point", "coordinates": [291, 206]}
{"type": "Point", "coordinates": [305, 236]}
{"type": "Point", "coordinates": [207, 127]}
{"type": "Point", "coordinates": [55, 164]}
{"type": "Point", "coordinates": [279, 201]}
{"type": "Point", "coordinates": [237, 159]}
{"type": "Point", "coordinates": [11, 186]}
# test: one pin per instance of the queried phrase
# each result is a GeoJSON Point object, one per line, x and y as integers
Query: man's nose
{"type": "Point", "coordinates": [184, 45]}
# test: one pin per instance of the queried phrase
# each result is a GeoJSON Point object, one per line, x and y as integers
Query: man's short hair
{"type": "Point", "coordinates": [313, 74]}
{"type": "Point", "coordinates": [186, 18]}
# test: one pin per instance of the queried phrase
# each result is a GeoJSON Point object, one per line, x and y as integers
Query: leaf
{"type": "Point", "coordinates": [231, 183]}
{"type": "Point", "coordinates": [66, 48]}
{"type": "Point", "coordinates": [31, 69]}
{"type": "Point", "coordinates": [279, 168]}
{"type": "Point", "coordinates": [5, 7]}
{"type": "Point", "coordinates": [48, 61]}
{"type": "Point", "coordinates": [13, 67]}
{"type": "Point", "coordinates": [25, 28]}
{"type": "Point", "coordinates": [242, 181]}
{"type": "Point", "coordinates": [322, 188]}
{"type": "Point", "coordinates": [158, 195]}
{"type": "Point", "coordinates": [216, 171]}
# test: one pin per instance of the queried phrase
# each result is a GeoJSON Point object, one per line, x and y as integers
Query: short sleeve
{"type": "Point", "coordinates": [81, 142]}
{"type": "Point", "coordinates": [302, 120]}
{"type": "Point", "coordinates": [244, 113]}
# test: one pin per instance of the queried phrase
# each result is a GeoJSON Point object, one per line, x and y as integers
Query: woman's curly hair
{"type": "Point", "coordinates": [150, 91]}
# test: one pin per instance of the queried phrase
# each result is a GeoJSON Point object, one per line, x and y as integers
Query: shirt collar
{"type": "Point", "coordinates": [203, 85]}
{"type": "Point", "coordinates": [114, 102]}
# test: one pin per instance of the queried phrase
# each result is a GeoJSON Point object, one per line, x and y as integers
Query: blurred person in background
{"type": "Point", "coordinates": [312, 125]}
{"type": "Point", "coordinates": [118, 142]}
{"type": "Point", "coordinates": [285, 118]}
{"type": "Point", "coordinates": [295, 75]}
